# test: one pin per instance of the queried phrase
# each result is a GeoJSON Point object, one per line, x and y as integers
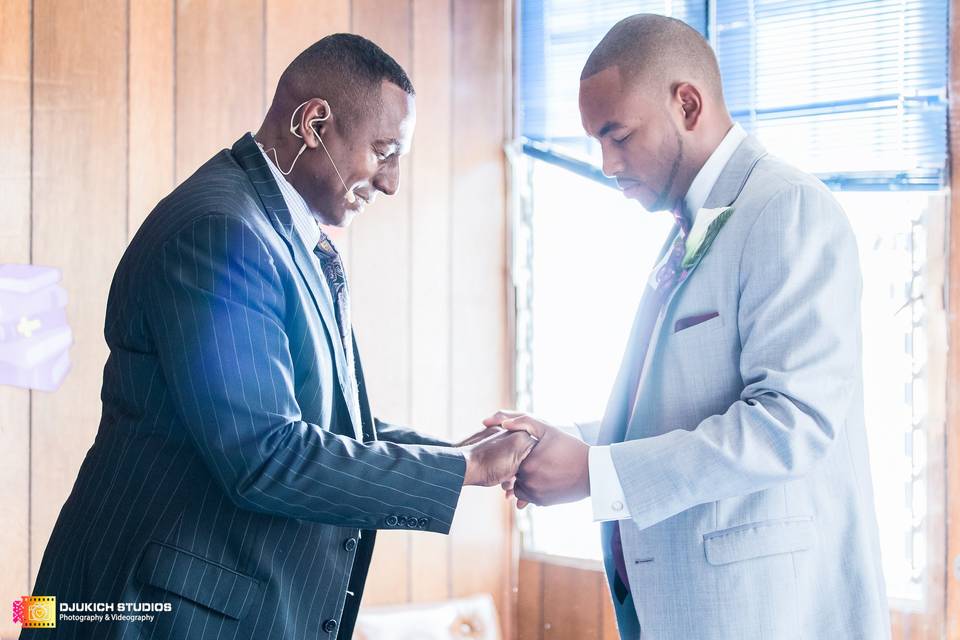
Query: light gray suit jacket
{"type": "Point", "coordinates": [744, 459]}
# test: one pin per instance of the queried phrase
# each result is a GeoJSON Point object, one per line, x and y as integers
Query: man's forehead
{"type": "Point", "coordinates": [600, 97]}
{"type": "Point", "coordinates": [397, 116]}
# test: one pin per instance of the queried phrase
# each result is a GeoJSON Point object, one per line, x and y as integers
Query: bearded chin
{"type": "Point", "coordinates": [663, 200]}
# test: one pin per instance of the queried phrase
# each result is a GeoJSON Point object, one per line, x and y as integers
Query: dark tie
{"type": "Point", "coordinates": [332, 267]}
{"type": "Point", "coordinates": [668, 275]}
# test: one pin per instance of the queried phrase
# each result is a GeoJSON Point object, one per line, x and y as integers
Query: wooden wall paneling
{"type": "Point", "coordinates": [608, 630]}
{"type": "Point", "coordinates": [952, 631]}
{"type": "Point", "coordinates": [430, 183]}
{"type": "Point", "coordinates": [79, 222]}
{"type": "Point", "coordinates": [379, 241]}
{"type": "Point", "coordinates": [479, 353]}
{"type": "Point", "coordinates": [572, 605]}
{"type": "Point", "coordinates": [15, 31]}
{"type": "Point", "coordinates": [530, 600]}
{"type": "Point", "coordinates": [292, 26]}
{"type": "Point", "coordinates": [563, 600]}
{"type": "Point", "coordinates": [151, 107]}
{"type": "Point", "coordinates": [219, 77]}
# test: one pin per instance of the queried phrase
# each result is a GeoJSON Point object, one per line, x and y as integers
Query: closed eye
{"type": "Point", "coordinates": [623, 139]}
{"type": "Point", "coordinates": [384, 149]}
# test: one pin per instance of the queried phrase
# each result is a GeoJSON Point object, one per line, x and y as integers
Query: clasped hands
{"type": "Point", "coordinates": [530, 459]}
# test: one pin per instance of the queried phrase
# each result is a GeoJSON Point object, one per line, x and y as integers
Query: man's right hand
{"type": "Point", "coordinates": [496, 459]}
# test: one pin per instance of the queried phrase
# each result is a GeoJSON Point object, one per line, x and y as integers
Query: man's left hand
{"type": "Point", "coordinates": [557, 469]}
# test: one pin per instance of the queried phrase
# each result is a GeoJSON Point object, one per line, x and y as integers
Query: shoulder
{"type": "Point", "coordinates": [790, 221]}
{"type": "Point", "coordinates": [778, 198]}
{"type": "Point", "coordinates": [219, 186]}
{"type": "Point", "coordinates": [218, 202]}
{"type": "Point", "coordinates": [220, 190]}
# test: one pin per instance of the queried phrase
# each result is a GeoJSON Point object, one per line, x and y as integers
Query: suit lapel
{"type": "Point", "coordinates": [617, 414]}
{"type": "Point", "coordinates": [366, 417]}
{"type": "Point", "coordinates": [249, 157]}
{"type": "Point", "coordinates": [726, 190]}
{"type": "Point", "coordinates": [644, 337]}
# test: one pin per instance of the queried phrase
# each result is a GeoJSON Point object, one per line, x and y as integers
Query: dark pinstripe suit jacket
{"type": "Point", "coordinates": [225, 477]}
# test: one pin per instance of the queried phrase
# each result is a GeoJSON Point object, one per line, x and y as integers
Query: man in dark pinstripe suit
{"type": "Point", "coordinates": [238, 474]}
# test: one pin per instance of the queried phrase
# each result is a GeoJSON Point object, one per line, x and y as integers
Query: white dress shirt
{"type": "Point", "coordinates": [308, 228]}
{"type": "Point", "coordinates": [606, 493]}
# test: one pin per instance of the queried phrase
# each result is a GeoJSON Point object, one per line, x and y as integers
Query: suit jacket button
{"type": "Point", "coordinates": [350, 544]}
{"type": "Point", "coordinates": [423, 523]}
{"type": "Point", "coordinates": [412, 523]}
{"type": "Point", "coordinates": [402, 521]}
{"type": "Point", "coordinates": [392, 521]}
{"type": "Point", "coordinates": [330, 626]}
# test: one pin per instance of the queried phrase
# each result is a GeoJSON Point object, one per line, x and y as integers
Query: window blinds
{"type": "Point", "coordinates": [852, 90]}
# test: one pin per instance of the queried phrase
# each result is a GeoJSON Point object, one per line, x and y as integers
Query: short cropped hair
{"type": "Point", "coordinates": [347, 70]}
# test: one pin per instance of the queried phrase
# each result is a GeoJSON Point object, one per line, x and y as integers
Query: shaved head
{"type": "Point", "coordinates": [650, 94]}
{"type": "Point", "coordinates": [657, 51]}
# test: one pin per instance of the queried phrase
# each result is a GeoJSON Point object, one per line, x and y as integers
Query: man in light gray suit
{"type": "Point", "coordinates": [731, 465]}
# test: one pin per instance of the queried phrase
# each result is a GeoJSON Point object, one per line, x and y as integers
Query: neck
{"type": "Point", "coordinates": [712, 136]}
{"type": "Point", "coordinates": [270, 138]}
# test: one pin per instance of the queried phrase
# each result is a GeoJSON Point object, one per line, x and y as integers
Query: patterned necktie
{"type": "Point", "coordinates": [666, 277]}
{"type": "Point", "coordinates": [670, 273]}
{"type": "Point", "coordinates": [332, 267]}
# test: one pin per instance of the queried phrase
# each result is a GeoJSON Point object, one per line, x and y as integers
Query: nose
{"type": "Point", "coordinates": [387, 179]}
{"type": "Point", "coordinates": [612, 162]}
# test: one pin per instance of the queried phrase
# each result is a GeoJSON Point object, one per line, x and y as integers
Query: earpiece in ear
{"type": "Point", "coordinates": [349, 195]}
{"type": "Point", "coordinates": [310, 123]}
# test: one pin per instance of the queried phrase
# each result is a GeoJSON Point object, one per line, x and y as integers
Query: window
{"type": "Point", "coordinates": [851, 90]}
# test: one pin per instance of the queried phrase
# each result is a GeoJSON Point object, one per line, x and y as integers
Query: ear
{"type": "Point", "coordinates": [316, 118]}
{"type": "Point", "coordinates": [690, 102]}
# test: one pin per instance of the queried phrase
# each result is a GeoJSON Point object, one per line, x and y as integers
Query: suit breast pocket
{"type": "Point", "coordinates": [689, 325]}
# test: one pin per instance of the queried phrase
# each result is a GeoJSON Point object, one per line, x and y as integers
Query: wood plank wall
{"type": "Point", "coordinates": [563, 600]}
{"type": "Point", "coordinates": [952, 564]}
{"type": "Point", "coordinates": [105, 106]}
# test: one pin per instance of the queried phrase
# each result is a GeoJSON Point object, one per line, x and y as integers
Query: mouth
{"type": "Point", "coordinates": [359, 203]}
{"type": "Point", "coordinates": [630, 188]}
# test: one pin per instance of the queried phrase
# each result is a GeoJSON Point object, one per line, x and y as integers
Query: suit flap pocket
{"type": "Point", "coordinates": [759, 539]}
{"type": "Point", "coordinates": [197, 579]}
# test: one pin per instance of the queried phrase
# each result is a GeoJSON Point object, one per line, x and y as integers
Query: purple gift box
{"type": "Point", "coordinates": [34, 336]}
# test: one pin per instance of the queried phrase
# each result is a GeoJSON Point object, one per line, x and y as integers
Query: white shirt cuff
{"type": "Point", "coordinates": [606, 494]}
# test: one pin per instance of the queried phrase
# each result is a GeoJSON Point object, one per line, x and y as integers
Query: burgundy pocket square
{"type": "Point", "coordinates": [690, 321]}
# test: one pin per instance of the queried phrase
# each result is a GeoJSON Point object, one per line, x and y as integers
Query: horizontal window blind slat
{"type": "Point", "coordinates": [854, 90]}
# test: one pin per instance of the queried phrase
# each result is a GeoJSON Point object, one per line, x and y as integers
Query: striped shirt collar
{"type": "Point", "coordinates": [303, 221]}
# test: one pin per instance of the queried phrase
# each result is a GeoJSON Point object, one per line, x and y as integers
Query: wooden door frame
{"type": "Point", "coordinates": [952, 436]}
